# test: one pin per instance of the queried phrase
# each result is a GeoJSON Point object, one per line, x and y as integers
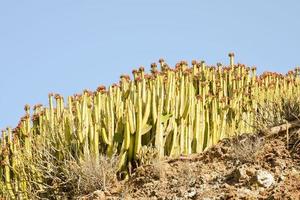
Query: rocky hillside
{"type": "Point", "coordinates": [245, 167]}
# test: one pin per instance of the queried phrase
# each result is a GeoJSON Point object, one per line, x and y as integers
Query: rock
{"type": "Point", "coordinates": [281, 178]}
{"type": "Point", "coordinates": [191, 193]}
{"type": "Point", "coordinates": [264, 178]}
{"type": "Point", "coordinates": [242, 173]}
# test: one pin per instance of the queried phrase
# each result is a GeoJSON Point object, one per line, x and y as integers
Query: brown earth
{"type": "Point", "coordinates": [246, 167]}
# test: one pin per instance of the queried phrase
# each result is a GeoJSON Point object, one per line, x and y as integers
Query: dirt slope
{"type": "Point", "coordinates": [247, 167]}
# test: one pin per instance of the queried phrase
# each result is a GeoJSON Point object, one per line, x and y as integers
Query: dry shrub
{"type": "Point", "coordinates": [245, 147]}
{"type": "Point", "coordinates": [147, 155]}
{"type": "Point", "coordinates": [51, 178]}
{"type": "Point", "coordinates": [92, 175]}
{"type": "Point", "coordinates": [271, 114]}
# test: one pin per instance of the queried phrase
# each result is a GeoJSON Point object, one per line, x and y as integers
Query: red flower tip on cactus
{"type": "Point", "coordinates": [147, 76]}
{"type": "Point", "coordinates": [186, 72]}
{"type": "Point", "coordinates": [122, 76]}
{"type": "Point", "coordinates": [141, 69]}
{"type": "Point", "coordinates": [125, 77]}
{"type": "Point", "coordinates": [231, 54]}
{"type": "Point", "coordinates": [242, 65]}
{"type": "Point", "coordinates": [138, 79]}
{"type": "Point", "coordinates": [57, 96]}
{"type": "Point", "coordinates": [15, 137]}
{"type": "Point", "coordinates": [19, 124]}
{"type": "Point", "coordinates": [154, 72]}
{"type": "Point", "coordinates": [27, 107]}
{"type": "Point", "coordinates": [194, 62]}
{"type": "Point", "coordinates": [42, 112]}
{"type": "Point", "coordinates": [90, 94]}
{"type": "Point", "coordinates": [25, 117]}
{"type": "Point", "coordinates": [153, 65]}
{"type": "Point", "coordinates": [34, 117]}
{"type": "Point", "coordinates": [37, 106]}
{"type": "Point", "coordinates": [134, 71]}
{"type": "Point", "coordinates": [15, 130]}
{"type": "Point", "coordinates": [183, 62]}
{"type": "Point", "coordinates": [166, 67]}
{"type": "Point", "coordinates": [290, 72]}
{"type": "Point", "coordinates": [152, 77]}
{"type": "Point", "coordinates": [115, 85]}
{"type": "Point", "coordinates": [161, 60]}
{"type": "Point", "coordinates": [101, 88]}
{"type": "Point", "coordinates": [85, 91]}
{"type": "Point", "coordinates": [199, 97]}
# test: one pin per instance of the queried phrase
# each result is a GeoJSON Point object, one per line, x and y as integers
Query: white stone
{"type": "Point", "coordinates": [264, 178]}
{"type": "Point", "coordinates": [191, 193]}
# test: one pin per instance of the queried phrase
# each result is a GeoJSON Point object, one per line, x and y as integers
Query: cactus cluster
{"type": "Point", "coordinates": [177, 111]}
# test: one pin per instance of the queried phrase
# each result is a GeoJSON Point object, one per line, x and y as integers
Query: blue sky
{"type": "Point", "coordinates": [65, 46]}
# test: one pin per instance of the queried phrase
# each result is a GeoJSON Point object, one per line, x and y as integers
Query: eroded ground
{"type": "Point", "coordinates": [247, 167]}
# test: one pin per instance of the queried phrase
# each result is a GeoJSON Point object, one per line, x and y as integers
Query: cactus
{"type": "Point", "coordinates": [178, 111]}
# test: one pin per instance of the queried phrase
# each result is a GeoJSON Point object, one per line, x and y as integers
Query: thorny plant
{"type": "Point", "coordinates": [179, 111]}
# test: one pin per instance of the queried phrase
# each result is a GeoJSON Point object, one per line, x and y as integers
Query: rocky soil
{"type": "Point", "coordinates": [246, 167]}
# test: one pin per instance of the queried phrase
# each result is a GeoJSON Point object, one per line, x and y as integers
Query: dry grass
{"type": "Point", "coordinates": [67, 178]}
{"type": "Point", "coordinates": [272, 114]}
{"type": "Point", "coordinates": [245, 148]}
{"type": "Point", "coordinates": [147, 155]}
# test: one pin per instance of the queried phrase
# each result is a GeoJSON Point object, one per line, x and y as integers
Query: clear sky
{"type": "Point", "coordinates": [65, 46]}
